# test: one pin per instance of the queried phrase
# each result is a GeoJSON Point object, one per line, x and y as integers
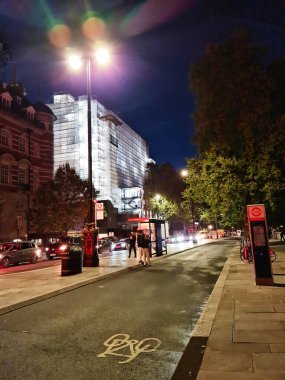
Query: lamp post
{"type": "Point", "coordinates": [184, 174]}
{"type": "Point", "coordinates": [89, 137]}
{"type": "Point", "coordinates": [90, 232]}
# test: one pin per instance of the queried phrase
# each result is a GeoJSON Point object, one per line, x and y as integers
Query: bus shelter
{"type": "Point", "coordinates": [157, 229]}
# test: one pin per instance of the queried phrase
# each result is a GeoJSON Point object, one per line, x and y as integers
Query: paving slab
{"type": "Point", "coordinates": [273, 362]}
{"type": "Point", "coordinates": [247, 338]}
{"type": "Point", "coordinates": [229, 375]}
{"type": "Point", "coordinates": [226, 361]}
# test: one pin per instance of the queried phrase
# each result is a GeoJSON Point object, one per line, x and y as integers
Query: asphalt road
{"type": "Point", "coordinates": [135, 325]}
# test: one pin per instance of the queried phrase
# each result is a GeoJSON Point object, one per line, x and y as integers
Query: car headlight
{"type": "Point", "coordinates": [124, 245]}
{"type": "Point", "coordinates": [63, 247]}
{"type": "Point", "coordinates": [1, 256]}
{"type": "Point", "coordinates": [38, 252]}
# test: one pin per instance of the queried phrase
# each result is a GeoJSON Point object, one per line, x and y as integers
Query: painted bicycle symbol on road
{"type": "Point", "coordinates": [132, 347]}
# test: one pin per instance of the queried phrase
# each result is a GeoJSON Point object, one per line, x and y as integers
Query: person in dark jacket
{"type": "Point", "coordinates": [140, 237]}
{"type": "Point", "coordinates": [132, 246]}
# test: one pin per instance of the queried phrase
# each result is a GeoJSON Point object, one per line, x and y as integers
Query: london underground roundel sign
{"type": "Point", "coordinates": [256, 212]}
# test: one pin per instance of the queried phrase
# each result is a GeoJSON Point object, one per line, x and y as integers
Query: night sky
{"type": "Point", "coordinates": [153, 44]}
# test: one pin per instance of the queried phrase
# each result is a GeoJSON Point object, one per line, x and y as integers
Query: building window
{"type": "Point", "coordinates": [30, 115]}
{"type": "Point", "coordinates": [22, 144]}
{"type": "Point", "coordinates": [36, 150]}
{"type": "Point", "coordinates": [22, 175]}
{"type": "Point", "coordinates": [114, 141]}
{"type": "Point", "coordinates": [4, 173]}
{"type": "Point", "coordinates": [4, 137]}
{"type": "Point", "coordinates": [19, 222]}
{"type": "Point", "coordinates": [6, 103]}
{"type": "Point", "coordinates": [20, 201]}
{"type": "Point", "coordinates": [36, 179]}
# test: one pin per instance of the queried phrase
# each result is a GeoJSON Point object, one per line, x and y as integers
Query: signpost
{"type": "Point", "coordinates": [259, 244]}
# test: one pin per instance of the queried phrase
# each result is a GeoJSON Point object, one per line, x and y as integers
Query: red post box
{"type": "Point", "coordinates": [90, 256]}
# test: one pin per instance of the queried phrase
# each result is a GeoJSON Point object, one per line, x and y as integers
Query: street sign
{"type": "Point", "coordinates": [259, 244]}
{"type": "Point", "coordinates": [99, 206]}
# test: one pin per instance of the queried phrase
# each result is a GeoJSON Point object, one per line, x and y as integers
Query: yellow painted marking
{"type": "Point", "coordinates": [119, 342]}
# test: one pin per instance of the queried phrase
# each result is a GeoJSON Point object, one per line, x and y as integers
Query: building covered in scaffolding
{"type": "Point", "coordinates": [119, 154]}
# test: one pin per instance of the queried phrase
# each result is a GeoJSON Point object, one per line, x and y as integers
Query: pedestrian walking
{"type": "Point", "coordinates": [146, 250]}
{"type": "Point", "coordinates": [132, 244]}
{"type": "Point", "coordinates": [140, 238]}
{"type": "Point", "coordinates": [282, 234]}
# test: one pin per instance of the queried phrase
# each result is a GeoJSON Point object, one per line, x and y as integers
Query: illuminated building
{"type": "Point", "coordinates": [119, 154]}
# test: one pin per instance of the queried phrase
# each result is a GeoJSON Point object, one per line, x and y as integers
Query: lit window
{"type": "Point", "coordinates": [4, 173]}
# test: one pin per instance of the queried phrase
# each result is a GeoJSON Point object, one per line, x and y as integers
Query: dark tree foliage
{"type": "Point", "coordinates": [240, 132]}
{"type": "Point", "coordinates": [233, 96]}
{"type": "Point", "coordinates": [62, 203]}
{"type": "Point", "coordinates": [165, 180]}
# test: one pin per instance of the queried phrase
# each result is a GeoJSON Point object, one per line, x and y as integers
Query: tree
{"type": "Point", "coordinates": [233, 96]}
{"type": "Point", "coordinates": [239, 131]}
{"type": "Point", "coordinates": [215, 184]}
{"type": "Point", "coordinates": [62, 203]}
{"type": "Point", "coordinates": [165, 180]}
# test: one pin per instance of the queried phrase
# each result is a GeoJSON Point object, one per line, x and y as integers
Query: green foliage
{"type": "Point", "coordinates": [164, 207]}
{"type": "Point", "coordinates": [239, 132]}
{"type": "Point", "coordinates": [61, 204]}
{"type": "Point", "coordinates": [166, 181]}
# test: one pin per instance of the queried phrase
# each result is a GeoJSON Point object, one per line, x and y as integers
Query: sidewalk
{"type": "Point", "coordinates": [245, 324]}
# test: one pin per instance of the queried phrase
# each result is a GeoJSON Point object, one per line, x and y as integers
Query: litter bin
{"type": "Point", "coordinates": [71, 261]}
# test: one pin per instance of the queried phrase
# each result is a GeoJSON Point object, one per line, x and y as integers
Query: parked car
{"type": "Point", "coordinates": [19, 252]}
{"type": "Point", "coordinates": [56, 250]}
{"type": "Point", "coordinates": [119, 245]}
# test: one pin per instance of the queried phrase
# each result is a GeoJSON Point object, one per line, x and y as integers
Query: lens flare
{"type": "Point", "coordinates": [151, 13]}
{"type": "Point", "coordinates": [59, 36]}
{"type": "Point", "coordinates": [93, 28]}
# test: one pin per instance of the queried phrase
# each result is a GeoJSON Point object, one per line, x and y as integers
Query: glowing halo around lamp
{"type": "Point", "coordinates": [59, 35]}
{"type": "Point", "coordinates": [93, 28]}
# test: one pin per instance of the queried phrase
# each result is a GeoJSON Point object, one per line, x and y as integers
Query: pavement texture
{"type": "Point", "coordinates": [242, 324]}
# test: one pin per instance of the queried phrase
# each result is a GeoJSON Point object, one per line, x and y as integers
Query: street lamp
{"type": "Point", "coordinates": [184, 173]}
{"type": "Point", "coordinates": [102, 57]}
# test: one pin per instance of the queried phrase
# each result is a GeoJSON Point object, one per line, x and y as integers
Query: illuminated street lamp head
{"type": "Point", "coordinates": [157, 197]}
{"type": "Point", "coordinates": [75, 61]}
{"type": "Point", "coordinates": [102, 55]}
{"type": "Point", "coordinates": [184, 173]}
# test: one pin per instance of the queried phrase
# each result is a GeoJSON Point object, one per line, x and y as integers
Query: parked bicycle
{"type": "Point", "coordinates": [246, 252]}
{"type": "Point", "coordinates": [245, 249]}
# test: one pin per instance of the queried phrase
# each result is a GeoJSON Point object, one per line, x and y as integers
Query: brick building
{"type": "Point", "coordinates": [26, 157]}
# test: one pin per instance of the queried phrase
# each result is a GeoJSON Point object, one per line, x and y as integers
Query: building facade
{"type": "Point", "coordinates": [119, 154]}
{"type": "Point", "coordinates": [26, 157]}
